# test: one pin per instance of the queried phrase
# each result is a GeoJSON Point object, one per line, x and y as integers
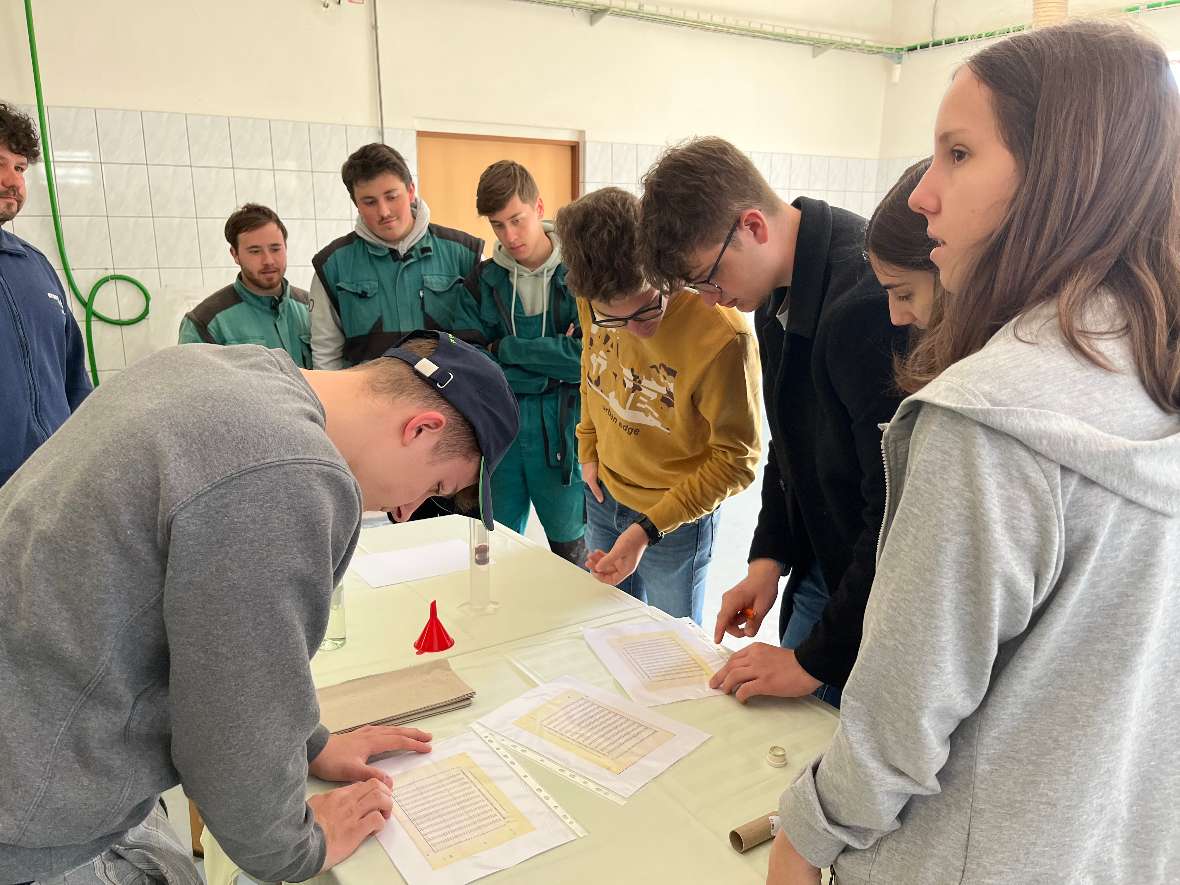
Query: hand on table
{"type": "Point", "coordinates": [762, 669]}
{"type": "Point", "coordinates": [345, 757]}
{"type": "Point", "coordinates": [349, 815]}
{"type": "Point", "coordinates": [623, 558]}
{"type": "Point", "coordinates": [788, 866]}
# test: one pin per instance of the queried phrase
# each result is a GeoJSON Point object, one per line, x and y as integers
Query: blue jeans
{"type": "Point", "coordinates": [671, 575]}
{"type": "Point", "coordinates": [807, 607]}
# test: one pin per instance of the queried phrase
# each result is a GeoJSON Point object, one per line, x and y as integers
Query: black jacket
{"type": "Point", "coordinates": [828, 383]}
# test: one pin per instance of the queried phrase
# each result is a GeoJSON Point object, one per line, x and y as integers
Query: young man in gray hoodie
{"type": "Point", "coordinates": [529, 317]}
{"type": "Point", "coordinates": [169, 557]}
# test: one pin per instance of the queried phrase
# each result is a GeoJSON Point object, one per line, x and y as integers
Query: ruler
{"type": "Point", "coordinates": [502, 745]}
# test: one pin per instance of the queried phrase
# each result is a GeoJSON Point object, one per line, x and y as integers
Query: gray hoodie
{"type": "Point", "coordinates": [327, 337]}
{"type": "Point", "coordinates": [530, 287]}
{"type": "Point", "coordinates": [1012, 715]}
{"type": "Point", "coordinates": [169, 557]}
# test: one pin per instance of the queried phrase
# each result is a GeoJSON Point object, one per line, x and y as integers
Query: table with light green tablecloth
{"type": "Point", "coordinates": [676, 828]}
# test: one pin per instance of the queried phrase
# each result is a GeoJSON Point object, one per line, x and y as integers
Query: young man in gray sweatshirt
{"type": "Point", "coordinates": [169, 556]}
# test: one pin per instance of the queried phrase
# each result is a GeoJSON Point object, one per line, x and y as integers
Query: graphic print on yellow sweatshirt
{"type": "Point", "coordinates": [672, 420]}
{"type": "Point", "coordinates": [641, 396]}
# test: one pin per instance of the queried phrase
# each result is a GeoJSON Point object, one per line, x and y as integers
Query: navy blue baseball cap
{"type": "Point", "coordinates": [470, 380]}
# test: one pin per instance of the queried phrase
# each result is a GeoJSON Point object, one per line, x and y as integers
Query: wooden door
{"type": "Point", "coordinates": [449, 167]}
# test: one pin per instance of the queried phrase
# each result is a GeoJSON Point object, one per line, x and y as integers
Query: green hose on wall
{"type": "Point", "coordinates": [88, 301]}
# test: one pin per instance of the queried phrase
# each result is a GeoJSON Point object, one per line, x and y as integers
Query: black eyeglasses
{"type": "Point", "coordinates": [648, 312]}
{"type": "Point", "coordinates": [706, 286]}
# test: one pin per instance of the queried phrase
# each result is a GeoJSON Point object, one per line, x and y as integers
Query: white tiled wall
{"type": "Point", "coordinates": [854, 183]}
{"type": "Point", "coordinates": [889, 170]}
{"type": "Point", "coordinates": [146, 194]}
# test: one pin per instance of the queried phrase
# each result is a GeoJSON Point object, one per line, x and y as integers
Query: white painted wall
{"type": "Point", "coordinates": [912, 19]}
{"type": "Point", "coordinates": [871, 19]}
{"type": "Point", "coordinates": [907, 121]}
{"type": "Point", "coordinates": [625, 81]}
{"type": "Point", "coordinates": [281, 59]}
{"type": "Point", "coordinates": [496, 62]}
{"type": "Point", "coordinates": [496, 65]}
{"type": "Point", "coordinates": [910, 105]}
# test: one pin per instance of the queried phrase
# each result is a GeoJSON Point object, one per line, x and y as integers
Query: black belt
{"type": "Point", "coordinates": [567, 396]}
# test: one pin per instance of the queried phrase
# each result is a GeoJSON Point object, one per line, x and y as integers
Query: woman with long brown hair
{"type": "Point", "coordinates": [898, 249]}
{"type": "Point", "coordinates": [1012, 715]}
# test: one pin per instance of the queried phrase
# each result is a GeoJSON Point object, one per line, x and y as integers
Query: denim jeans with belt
{"type": "Point", "coordinates": [671, 574]}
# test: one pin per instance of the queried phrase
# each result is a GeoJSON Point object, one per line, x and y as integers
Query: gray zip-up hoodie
{"type": "Point", "coordinates": [530, 287]}
{"type": "Point", "coordinates": [1012, 715]}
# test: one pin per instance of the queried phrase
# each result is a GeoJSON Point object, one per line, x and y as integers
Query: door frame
{"type": "Point", "coordinates": [576, 170]}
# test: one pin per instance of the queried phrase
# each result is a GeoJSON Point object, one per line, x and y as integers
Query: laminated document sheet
{"type": "Point", "coordinates": [461, 813]}
{"type": "Point", "coordinates": [598, 734]}
{"type": "Point", "coordinates": [658, 662]}
{"type": "Point", "coordinates": [414, 564]}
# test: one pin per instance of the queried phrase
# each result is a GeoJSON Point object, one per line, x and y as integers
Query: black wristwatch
{"type": "Point", "coordinates": [654, 535]}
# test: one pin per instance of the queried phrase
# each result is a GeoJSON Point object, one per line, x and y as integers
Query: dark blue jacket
{"type": "Point", "coordinates": [42, 358]}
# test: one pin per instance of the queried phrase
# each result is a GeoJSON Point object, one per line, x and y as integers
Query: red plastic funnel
{"type": "Point", "coordinates": [434, 636]}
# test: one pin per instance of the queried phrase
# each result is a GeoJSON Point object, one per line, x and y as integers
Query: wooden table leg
{"type": "Point", "coordinates": [196, 827]}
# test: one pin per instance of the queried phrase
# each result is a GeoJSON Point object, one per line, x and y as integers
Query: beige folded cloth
{"type": "Point", "coordinates": [393, 698]}
{"type": "Point", "coordinates": [751, 834]}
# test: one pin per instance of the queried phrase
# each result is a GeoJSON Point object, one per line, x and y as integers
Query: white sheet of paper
{"type": "Point", "coordinates": [607, 738]}
{"type": "Point", "coordinates": [657, 662]}
{"type": "Point", "coordinates": [398, 566]}
{"type": "Point", "coordinates": [460, 813]}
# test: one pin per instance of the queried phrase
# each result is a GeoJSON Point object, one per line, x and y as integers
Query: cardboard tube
{"type": "Point", "coordinates": [752, 834]}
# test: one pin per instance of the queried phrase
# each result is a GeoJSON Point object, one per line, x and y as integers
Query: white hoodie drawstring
{"type": "Point", "coordinates": [512, 306]}
{"type": "Point", "coordinates": [545, 277]}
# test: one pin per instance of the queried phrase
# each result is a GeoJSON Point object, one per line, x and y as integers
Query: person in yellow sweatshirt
{"type": "Point", "coordinates": [669, 426]}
